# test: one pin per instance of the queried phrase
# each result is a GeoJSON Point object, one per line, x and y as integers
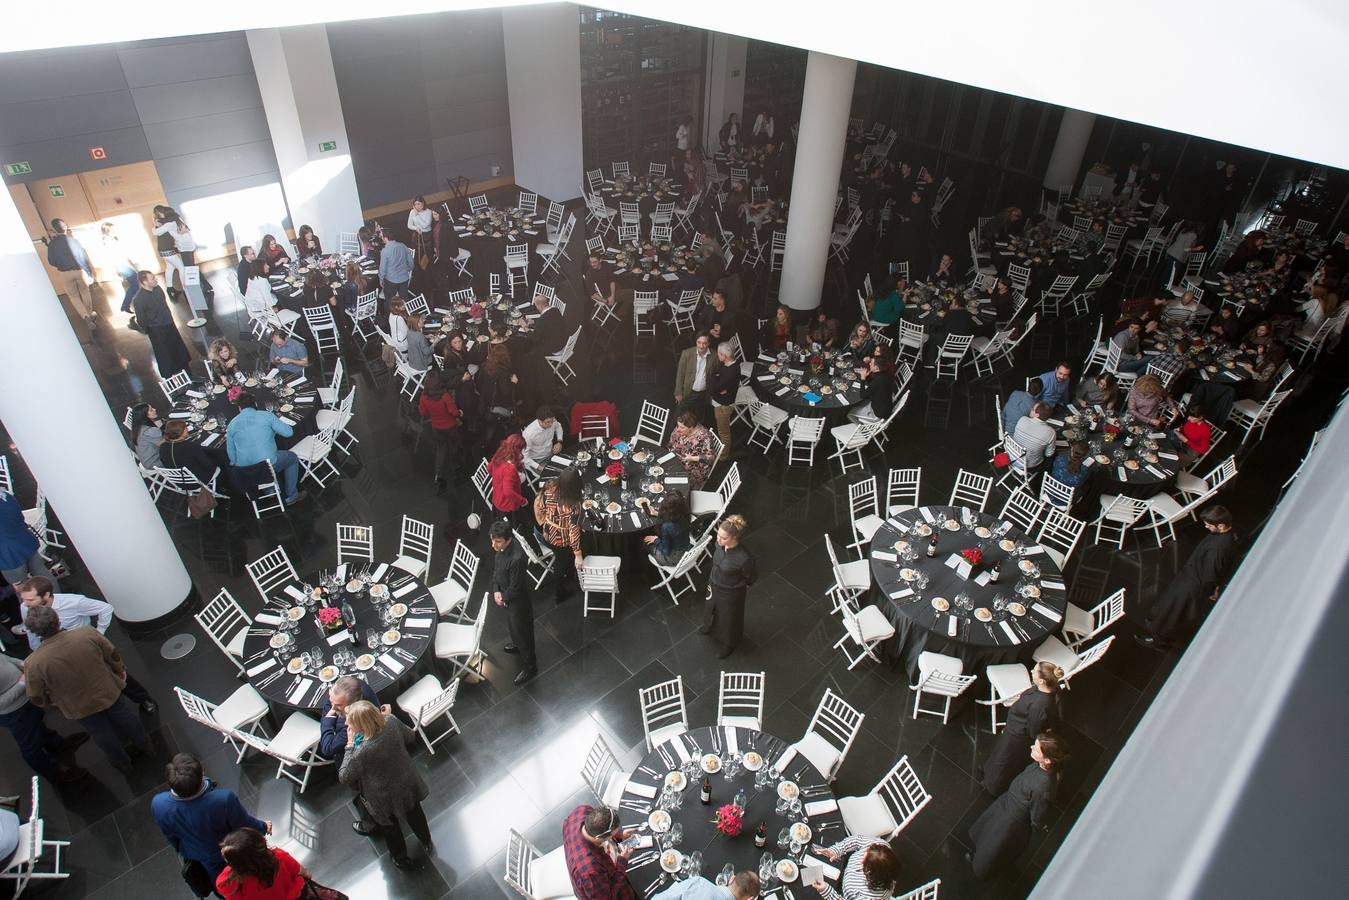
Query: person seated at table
{"type": "Point", "coordinates": [1248, 253]}
{"type": "Point", "coordinates": [398, 324]}
{"type": "Point", "coordinates": [146, 434]}
{"type": "Point", "coordinates": [1004, 829]}
{"type": "Point", "coordinates": [1070, 469]}
{"type": "Point", "coordinates": [259, 293]}
{"type": "Point", "coordinates": [1036, 435]}
{"type": "Point", "coordinates": [777, 331]}
{"type": "Point", "coordinates": [716, 318]}
{"type": "Point", "coordinates": [244, 270]}
{"type": "Point", "coordinates": [1094, 238]}
{"type": "Point", "coordinates": [597, 864]}
{"type": "Point", "coordinates": [177, 452]}
{"type": "Point", "coordinates": [890, 305]}
{"type": "Point", "coordinates": [944, 272]}
{"type": "Point", "coordinates": [548, 330]}
{"type": "Point", "coordinates": [1172, 361]}
{"type": "Point", "coordinates": [287, 354]}
{"type": "Point", "coordinates": [870, 873]}
{"type": "Point", "coordinates": [543, 436]}
{"type": "Point", "coordinates": [318, 291]}
{"type": "Point", "coordinates": [742, 886]}
{"type": "Point", "coordinates": [419, 352]}
{"type": "Point", "coordinates": [1039, 229]}
{"type": "Point", "coordinates": [729, 134]}
{"type": "Point", "coordinates": [507, 470]}
{"type": "Point", "coordinates": [1145, 308]}
{"type": "Point", "coordinates": [349, 295]}
{"type": "Point", "coordinates": [823, 330]}
{"type": "Point", "coordinates": [1150, 403]}
{"type": "Point", "coordinates": [1131, 358]}
{"type": "Point", "coordinates": [272, 252]}
{"type": "Point", "coordinates": [307, 244]}
{"type": "Point", "coordinates": [1225, 326]}
{"type": "Point", "coordinates": [1019, 403]}
{"type": "Point", "coordinates": [860, 343]}
{"type": "Point", "coordinates": [957, 320]}
{"type": "Point", "coordinates": [1056, 385]}
{"type": "Point", "coordinates": [1195, 435]}
{"type": "Point", "coordinates": [671, 540]}
{"type": "Point", "coordinates": [1099, 391]}
{"type": "Point", "coordinates": [250, 439]}
{"type": "Point", "coordinates": [1003, 300]}
{"type": "Point", "coordinates": [1008, 223]}
{"type": "Point", "coordinates": [598, 281]}
{"type": "Point", "coordinates": [878, 387]}
{"type": "Point", "coordinates": [224, 359]}
{"type": "Point", "coordinates": [1260, 335]}
{"type": "Point", "coordinates": [593, 407]}
{"type": "Point", "coordinates": [1318, 306]}
{"type": "Point", "coordinates": [1181, 308]}
{"type": "Point", "coordinates": [692, 442]}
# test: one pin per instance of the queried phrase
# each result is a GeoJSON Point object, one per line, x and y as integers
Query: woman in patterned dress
{"type": "Point", "coordinates": [693, 443]}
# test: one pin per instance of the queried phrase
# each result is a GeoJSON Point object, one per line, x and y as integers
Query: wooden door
{"type": "Point", "coordinates": [126, 196]}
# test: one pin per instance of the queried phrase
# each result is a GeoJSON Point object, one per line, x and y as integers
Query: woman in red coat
{"type": "Point", "coordinates": [437, 404]}
{"type": "Point", "coordinates": [508, 496]}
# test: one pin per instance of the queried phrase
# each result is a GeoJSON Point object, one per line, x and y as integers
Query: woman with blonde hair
{"type": "Point", "coordinates": [1004, 829]}
{"type": "Point", "coordinates": [1036, 710]}
{"type": "Point", "coordinates": [1149, 402]}
{"type": "Point", "coordinates": [733, 572]}
{"type": "Point", "coordinates": [376, 765]}
{"type": "Point", "coordinates": [224, 358]}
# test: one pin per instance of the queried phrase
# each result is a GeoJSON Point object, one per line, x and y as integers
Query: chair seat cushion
{"type": "Point", "coordinates": [866, 815]}
{"type": "Point", "coordinates": [454, 640]}
{"type": "Point", "coordinates": [236, 643]}
{"type": "Point", "coordinates": [822, 754]}
{"type": "Point", "coordinates": [843, 432]}
{"type": "Point", "coordinates": [449, 596]}
{"type": "Point", "coordinates": [1008, 679]}
{"type": "Point", "coordinates": [703, 502]}
{"type": "Point", "coordinates": [856, 574]}
{"type": "Point", "coordinates": [1190, 484]}
{"type": "Point", "coordinates": [1057, 555]}
{"type": "Point", "coordinates": [1076, 620]}
{"type": "Point", "coordinates": [1247, 408]}
{"type": "Point", "coordinates": [868, 525]}
{"type": "Point", "coordinates": [749, 722]}
{"type": "Point", "coordinates": [869, 625]}
{"type": "Point", "coordinates": [613, 789]}
{"type": "Point", "coordinates": [1057, 652]}
{"type": "Point", "coordinates": [296, 737]}
{"type": "Point", "coordinates": [548, 876]}
{"type": "Point", "coordinates": [412, 566]}
{"type": "Point", "coordinates": [939, 662]}
{"type": "Point", "coordinates": [423, 692]}
{"type": "Point", "coordinates": [665, 732]}
{"type": "Point", "coordinates": [244, 707]}
{"type": "Point", "coordinates": [1166, 506]}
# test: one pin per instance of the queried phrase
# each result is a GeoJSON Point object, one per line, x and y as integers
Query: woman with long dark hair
{"type": "Point", "coordinates": [557, 512]}
{"type": "Point", "coordinates": [307, 244]}
{"type": "Point", "coordinates": [146, 434]}
{"type": "Point", "coordinates": [255, 871]}
{"type": "Point", "coordinates": [871, 872]}
{"type": "Point", "coordinates": [671, 540]}
{"type": "Point", "coordinates": [1036, 710]}
{"type": "Point", "coordinates": [438, 407]}
{"type": "Point", "coordinates": [272, 251]}
{"type": "Point", "coordinates": [1004, 829]}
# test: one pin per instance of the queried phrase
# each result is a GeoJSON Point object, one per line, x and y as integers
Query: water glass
{"type": "Point", "coordinates": [372, 637]}
{"type": "Point", "coordinates": [725, 875]}
{"type": "Point", "coordinates": [999, 602]}
{"type": "Point", "coordinates": [765, 867]}
{"type": "Point", "coordinates": [963, 601]}
{"type": "Point", "coordinates": [784, 838]}
{"type": "Point", "coordinates": [676, 833]}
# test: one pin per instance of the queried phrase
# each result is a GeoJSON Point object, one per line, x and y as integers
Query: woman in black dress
{"type": "Point", "coordinates": [1004, 829]}
{"type": "Point", "coordinates": [733, 571]}
{"type": "Point", "coordinates": [1036, 710]}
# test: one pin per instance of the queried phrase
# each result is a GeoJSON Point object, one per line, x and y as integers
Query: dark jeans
{"type": "Point", "coordinates": [38, 744]}
{"type": "Point", "coordinates": [564, 567]}
{"type": "Point", "coordinates": [117, 724]}
{"type": "Point", "coordinates": [395, 289]}
{"type": "Point", "coordinates": [128, 277]}
{"type": "Point", "coordinates": [393, 833]}
{"type": "Point", "coordinates": [449, 442]}
{"type": "Point", "coordinates": [520, 624]}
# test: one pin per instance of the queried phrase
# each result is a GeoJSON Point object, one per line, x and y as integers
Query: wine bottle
{"type": "Point", "coordinates": [761, 836]}
{"type": "Point", "coordinates": [706, 796]}
{"type": "Point", "coordinates": [349, 616]}
{"type": "Point", "coordinates": [995, 573]}
{"type": "Point", "coordinates": [932, 546]}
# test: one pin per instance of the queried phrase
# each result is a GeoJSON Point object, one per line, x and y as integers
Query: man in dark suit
{"type": "Point", "coordinates": [716, 318]}
{"type": "Point", "coordinates": [548, 329]}
{"type": "Point", "coordinates": [244, 270]}
{"type": "Point", "coordinates": [509, 591]}
{"type": "Point", "coordinates": [333, 732]}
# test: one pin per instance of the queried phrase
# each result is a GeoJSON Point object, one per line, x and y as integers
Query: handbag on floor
{"type": "Point", "coordinates": [315, 891]}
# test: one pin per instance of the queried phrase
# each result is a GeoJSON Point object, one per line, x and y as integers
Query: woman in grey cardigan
{"type": "Point", "coordinates": [377, 767]}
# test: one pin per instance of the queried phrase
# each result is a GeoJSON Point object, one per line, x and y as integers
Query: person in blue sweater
{"type": "Point", "coordinates": [1055, 393]}
{"type": "Point", "coordinates": [195, 815]}
{"type": "Point", "coordinates": [19, 556]}
{"type": "Point", "coordinates": [251, 439]}
{"type": "Point", "coordinates": [671, 540]}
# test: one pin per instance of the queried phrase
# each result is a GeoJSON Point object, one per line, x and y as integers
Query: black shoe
{"type": "Point", "coordinates": [73, 742]}
{"type": "Point", "coordinates": [149, 707]}
{"type": "Point", "coordinates": [364, 827]}
{"type": "Point", "coordinates": [705, 629]}
{"type": "Point", "coordinates": [511, 648]}
{"type": "Point", "coordinates": [406, 862]}
{"type": "Point", "coordinates": [524, 675]}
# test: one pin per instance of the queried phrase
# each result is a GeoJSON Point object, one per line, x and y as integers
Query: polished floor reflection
{"type": "Point", "coordinates": [517, 761]}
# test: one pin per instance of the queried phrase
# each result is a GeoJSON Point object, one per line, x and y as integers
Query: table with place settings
{"type": "Point", "coordinates": [806, 383]}
{"type": "Point", "coordinates": [945, 604]}
{"type": "Point", "coordinates": [648, 266]}
{"type": "Point", "coordinates": [1134, 459]}
{"type": "Point", "coordinates": [289, 277]}
{"type": "Point", "coordinates": [677, 835]}
{"type": "Point", "coordinates": [291, 659]}
{"type": "Point", "coordinates": [208, 410]}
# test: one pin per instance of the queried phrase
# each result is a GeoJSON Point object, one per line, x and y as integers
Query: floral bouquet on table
{"type": "Point", "coordinates": [730, 820]}
{"type": "Point", "coordinates": [330, 617]}
{"type": "Point", "coordinates": [234, 393]}
{"type": "Point", "coordinates": [973, 556]}
{"type": "Point", "coordinates": [816, 364]}
{"type": "Point", "coordinates": [614, 471]}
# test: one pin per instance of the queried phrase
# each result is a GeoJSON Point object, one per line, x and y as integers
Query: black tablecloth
{"type": "Point", "coordinates": [637, 269]}
{"type": "Point", "coordinates": [1205, 361]}
{"type": "Point", "coordinates": [920, 626]}
{"type": "Point", "coordinates": [700, 832]}
{"type": "Point", "coordinates": [302, 415]}
{"type": "Point", "coordinates": [392, 664]}
{"type": "Point", "coordinates": [840, 369]}
{"type": "Point", "coordinates": [288, 278]}
{"type": "Point", "coordinates": [1113, 455]}
{"type": "Point", "coordinates": [639, 191]}
{"type": "Point", "coordinates": [1047, 264]}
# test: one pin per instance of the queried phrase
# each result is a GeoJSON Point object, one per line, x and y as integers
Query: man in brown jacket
{"type": "Point", "coordinates": [81, 673]}
{"type": "Point", "coordinates": [693, 377]}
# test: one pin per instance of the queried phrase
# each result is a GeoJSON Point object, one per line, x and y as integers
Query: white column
{"type": "Point", "coordinates": [294, 68]}
{"type": "Point", "coordinates": [819, 162]}
{"type": "Point", "coordinates": [543, 86]}
{"type": "Point", "coordinates": [1069, 146]}
{"type": "Point", "coordinates": [725, 86]}
{"type": "Point", "coordinates": [56, 414]}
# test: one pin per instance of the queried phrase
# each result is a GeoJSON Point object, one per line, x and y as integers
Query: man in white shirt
{"type": "Point", "coordinates": [1036, 436]}
{"type": "Point", "coordinates": [543, 436]}
{"type": "Point", "coordinates": [75, 611]}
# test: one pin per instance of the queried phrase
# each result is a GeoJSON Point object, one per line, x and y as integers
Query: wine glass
{"type": "Point", "coordinates": [676, 833]}
{"type": "Point", "coordinates": [784, 838]}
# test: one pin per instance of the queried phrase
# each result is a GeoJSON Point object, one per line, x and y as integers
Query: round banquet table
{"type": "Point", "coordinates": [1106, 210]}
{"type": "Point", "coordinates": [1046, 262]}
{"type": "Point", "coordinates": [1206, 360]}
{"type": "Point", "coordinates": [651, 267]}
{"type": "Point", "coordinates": [1247, 291]}
{"type": "Point", "coordinates": [643, 794]}
{"type": "Point", "coordinates": [956, 631]}
{"type": "Point", "coordinates": [208, 411]}
{"type": "Point", "coordinates": [1143, 468]}
{"type": "Point", "coordinates": [288, 278]}
{"type": "Point", "coordinates": [473, 323]}
{"type": "Point", "coordinates": [489, 248]}
{"type": "Point", "coordinates": [268, 670]}
{"type": "Point", "coordinates": [778, 382]}
{"type": "Point", "coordinates": [643, 190]}
{"type": "Point", "coordinates": [1281, 240]}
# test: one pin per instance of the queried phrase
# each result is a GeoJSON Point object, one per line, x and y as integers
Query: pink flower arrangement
{"type": "Point", "coordinates": [330, 617]}
{"type": "Point", "coordinates": [973, 556]}
{"type": "Point", "coordinates": [234, 393]}
{"type": "Point", "coordinates": [730, 820]}
{"type": "Point", "coordinates": [613, 470]}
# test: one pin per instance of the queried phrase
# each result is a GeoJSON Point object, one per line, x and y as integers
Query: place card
{"type": "Point", "coordinates": [1007, 630]}
{"type": "Point", "coordinates": [884, 555]}
{"type": "Point", "coordinates": [305, 399]}
{"type": "Point", "coordinates": [1032, 550]}
{"type": "Point", "coordinates": [901, 594]}
{"type": "Point", "coordinates": [341, 572]}
{"type": "Point", "coordinates": [676, 479]}
{"type": "Point", "coordinates": [797, 372]}
{"type": "Point", "coordinates": [1046, 612]}
{"type": "Point", "coordinates": [603, 479]}
{"type": "Point", "coordinates": [767, 378]}
{"type": "Point", "coordinates": [1088, 461]}
{"type": "Point", "coordinates": [782, 391]}
{"type": "Point", "coordinates": [262, 667]}
{"type": "Point", "coordinates": [666, 458]}
{"type": "Point", "coordinates": [293, 697]}
{"type": "Point", "coordinates": [1003, 528]}
{"type": "Point", "coordinates": [392, 663]}
{"type": "Point", "coordinates": [641, 790]}
{"type": "Point", "coordinates": [820, 807]}
{"type": "Point", "coordinates": [294, 593]}
{"type": "Point", "coordinates": [961, 566]}
{"type": "Point", "coordinates": [339, 637]}
{"type": "Point", "coordinates": [1157, 435]}
{"type": "Point", "coordinates": [406, 589]}
{"type": "Point", "coordinates": [1055, 422]}
{"type": "Point", "coordinates": [1053, 585]}
{"type": "Point", "coordinates": [670, 276]}
{"type": "Point", "coordinates": [982, 578]}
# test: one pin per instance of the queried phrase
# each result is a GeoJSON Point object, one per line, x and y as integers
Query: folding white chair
{"type": "Point", "coordinates": [702, 503]}
{"type": "Point", "coordinates": [478, 204]}
{"type": "Point", "coordinates": [951, 354]}
{"type": "Point", "coordinates": [243, 711]}
{"type": "Point", "coordinates": [683, 568]}
{"type": "Point", "coordinates": [777, 251]}
{"type": "Point", "coordinates": [830, 734]}
{"type": "Point", "coordinates": [1052, 297]}
{"type": "Point", "coordinates": [323, 327]}
{"type": "Point", "coordinates": [1018, 277]}
{"type": "Point", "coordinates": [426, 701]}
{"type": "Point", "coordinates": [849, 441]}
{"type": "Point", "coordinates": [355, 543]}
{"type": "Point", "coordinates": [970, 489]}
{"type": "Point", "coordinates": [740, 700]}
{"type": "Point", "coordinates": [315, 453]}
{"type": "Point", "coordinates": [348, 242]}
{"type": "Point", "coordinates": [295, 745]}
{"type": "Point", "coordinates": [539, 559]}
{"type": "Point", "coordinates": [986, 351]}
{"type": "Point", "coordinates": [270, 571]}
{"type": "Point", "coordinates": [22, 866]}
{"type": "Point", "coordinates": [1055, 493]}
{"type": "Point", "coordinates": [1118, 514]}
{"type": "Point", "coordinates": [803, 436]}
{"type": "Point", "coordinates": [864, 511]}
{"type": "Point", "coordinates": [1192, 486]}
{"type": "Point", "coordinates": [912, 338]}
{"type": "Point", "coordinates": [226, 623]}
{"type": "Point", "coordinates": [889, 807]}
{"type": "Point", "coordinates": [414, 547]}
{"type": "Point", "coordinates": [599, 575]}
{"type": "Point", "coordinates": [863, 626]}
{"type": "Point", "coordinates": [332, 393]}
{"type": "Point", "coordinates": [664, 714]}
{"type": "Point", "coordinates": [175, 383]}
{"type": "Point", "coordinates": [1253, 416]}
{"type": "Point", "coordinates": [367, 309]}
{"type": "Point", "coordinates": [767, 422]}
{"type": "Point", "coordinates": [643, 303]}
{"type": "Point", "coordinates": [461, 642]}
{"type": "Point", "coordinates": [528, 203]}
{"type": "Point", "coordinates": [922, 892]}
{"type": "Point", "coordinates": [681, 312]}
{"type": "Point", "coordinates": [265, 497]}
{"type": "Point", "coordinates": [452, 594]}
{"type": "Point", "coordinates": [560, 362]}
{"type": "Point", "coordinates": [603, 775]}
{"type": "Point", "coordinates": [1022, 508]}
{"type": "Point", "coordinates": [1081, 625]}
{"type": "Point", "coordinates": [1059, 534]}
{"type": "Point", "coordinates": [1006, 682]}
{"type": "Point", "coordinates": [941, 676]}
{"type": "Point", "coordinates": [1072, 662]}
{"type": "Point", "coordinates": [651, 424]}
{"type": "Point", "coordinates": [535, 875]}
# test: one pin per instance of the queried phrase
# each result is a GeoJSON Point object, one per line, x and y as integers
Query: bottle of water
{"type": "Point", "coordinates": [740, 798]}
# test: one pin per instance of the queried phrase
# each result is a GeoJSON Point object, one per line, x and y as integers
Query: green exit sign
{"type": "Point", "coordinates": [18, 168]}
{"type": "Point", "coordinates": [56, 190]}
{"type": "Point", "coordinates": [326, 146]}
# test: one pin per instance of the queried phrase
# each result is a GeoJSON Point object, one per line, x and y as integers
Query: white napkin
{"type": "Point", "coordinates": [1167, 455]}
{"type": "Point", "coordinates": [272, 374]}
{"type": "Point", "coordinates": [417, 623]}
{"type": "Point", "coordinates": [197, 394]}
{"type": "Point", "coordinates": [299, 691]}
{"type": "Point", "coordinates": [926, 514]}
{"type": "Point", "coordinates": [603, 479]}
{"type": "Point", "coordinates": [787, 756]}
{"type": "Point", "coordinates": [982, 578]}
{"type": "Point", "coordinates": [820, 807]}
{"type": "Point", "coordinates": [210, 440]}
{"type": "Point", "coordinates": [406, 589]}
{"type": "Point", "coordinates": [670, 276]}
{"type": "Point", "coordinates": [294, 593]}
{"type": "Point", "coordinates": [732, 742]}
{"type": "Point", "coordinates": [268, 619]}
{"type": "Point", "coordinates": [180, 415]}
{"type": "Point", "coordinates": [1155, 471]}
{"type": "Point", "coordinates": [1088, 461]}
{"type": "Point", "coordinates": [289, 421]}
{"type": "Point", "coordinates": [666, 458]}
{"type": "Point", "coordinates": [1033, 549]}
{"type": "Point", "coordinates": [562, 460]}
{"type": "Point", "coordinates": [1157, 434]}
{"type": "Point", "coordinates": [830, 872]}
{"type": "Point", "coordinates": [392, 663]}
{"type": "Point", "coordinates": [884, 555]}
{"type": "Point", "coordinates": [782, 391]}
{"type": "Point", "coordinates": [641, 790]}
{"type": "Point", "coordinates": [297, 380]}
{"type": "Point", "coordinates": [767, 377]}
{"type": "Point", "coordinates": [262, 667]}
{"type": "Point", "coordinates": [636, 520]}
{"type": "Point", "coordinates": [1007, 630]}
{"type": "Point", "coordinates": [305, 399]}
{"type": "Point", "coordinates": [1056, 585]}
{"type": "Point", "coordinates": [1046, 612]}
{"type": "Point", "coordinates": [900, 594]}
{"type": "Point", "coordinates": [342, 572]}
{"type": "Point", "coordinates": [764, 357]}
{"type": "Point", "coordinates": [378, 574]}
{"type": "Point", "coordinates": [951, 625]}
{"type": "Point", "coordinates": [677, 479]}
{"type": "Point", "coordinates": [340, 637]}
{"type": "Point", "coordinates": [1056, 422]}
{"type": "Point", "coordinates": [680, 749]}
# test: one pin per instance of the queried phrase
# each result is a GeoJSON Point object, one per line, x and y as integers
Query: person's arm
{"type": "Point", "coordinates": [96, 609]}
{"type": "Point", "coordinates": [514, 586]}
{"type": "Point", "coordinates": [352, 763]}
{"type": "Point", "coordinates": [1041, 803]}
{"type": "Point", "coordinates": [303, 359]}
{"type": "Point", "coordinates": [750, 570]}
{"type": "Point", "coordinates": [112, 657]}
{"type": "Point", "coordinates": [237, 817]}
{"type": "Point", "coordinates": [280, 427]}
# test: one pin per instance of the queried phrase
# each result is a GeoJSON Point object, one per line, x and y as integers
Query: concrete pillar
{"type": "Point", "coordinates": [294, 68]}
{"type": "Point", "coordinates": [56, 414]}
{"type": "Point", "coordinates": [1066, 160]}
{"type": "Point", "coordinates": [725, 87]}
{"type": "Point", "coordinates": [819, 160]}
{"type": "Point", "coordinates": [543, 86]}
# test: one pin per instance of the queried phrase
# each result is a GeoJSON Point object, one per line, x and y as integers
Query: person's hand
{"type": "Point", "coordinates": [351, 734]}
{"type": "Point", "coordinates": [649, 539]}
{"type": "Point", "coordinates": [557, 446]}
{"type": "Point", "coordinates": [122, 679]}
{"type": "Point", "coordinates": [269, 825]}
{"type": "Point", "coordinates": [500, 600]}
{"type": "Point", "coordinates": [515, 379]}
{"type": "Point", "coordinates": [818, 884]}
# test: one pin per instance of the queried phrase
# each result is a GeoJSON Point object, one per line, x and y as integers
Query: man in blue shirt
{"type": "Point", "coordinates": [67, 256]}
{"type": "Point", "coordinates": [1019, 404]}
{"type": "Point", "coordinates": [742, 886]}
{"type": "Point", "coordinates": [1055, 383]}
{"type": "Point", "coordinates": [287, 354]}
{"type": "Point", "coordinates": [251, 439]}
{"type": "Point", "coordinates": [395, 268]}
{"type": "Point", "coordinates": [195, 815]}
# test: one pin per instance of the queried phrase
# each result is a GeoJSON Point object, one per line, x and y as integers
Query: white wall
{"type": "Point", "coordinates": [543, 82]}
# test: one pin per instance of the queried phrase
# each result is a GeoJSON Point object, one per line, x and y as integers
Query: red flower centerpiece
{"type": "Point", "coordinates": [234, 393]}
{"type": "Point", "coordinates": [1110, 429]}
{"type": "Point", "coordinates": [330, 617]}
{"type": "Point", "coordinates": [973, 556]}
{"type": "Point", "coordinates": [730, 820]}
{"type": "Point", "coordinates": [614, 471]}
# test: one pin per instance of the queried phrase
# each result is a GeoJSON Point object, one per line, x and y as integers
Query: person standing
{"type": "Point", "coordinates": [20, 554]}
{"type": "Point", "coordinates": [81, 673]}
{"type": "Point", "coordinates": [153, 316]}
{"type": "Point", "coordinates": [437, 406]}
{"type": "Point", "coordinates": [254, 871]}
{"type": "Point", "coordinates": [40, 746]}
{"type": "Point", "coordinates": [596, 864]}
{"type": "Point", "coordinates": [244, 271]}
{"type": "Point", "coordinates": [692, 377]}
{"type": "Point", "coordinates": [506, 469]}
{"type": "Point", "coordinates": [115, 258]}
{"type": "Point", "coordinates": [725, 384]}
{"type": "Point", "coordinates": [251, 439]}
{"type": "Point", "coordinates": [1033, 712]}
{"type": "Point", "coordinates": [509, 591]}
{"type": "Point", "coordinates": [1004, 829]}
{"type": "Point", "coordinates": [733, 572]}
{"type": "Point", "coordinates": [557, 511]}
{"type": "Point", "coordinates": [395, 268]}
{"type": "Point", "coordinates": [333, 733]}
{"type": "Point", "coordinates": [376, 764]}
{"type": "Point", "coordinates": [195, 816]}
{"type": "Point", "coordinates": [67, 256]}
{"type": "Point", "coordinates": [1184, 603]}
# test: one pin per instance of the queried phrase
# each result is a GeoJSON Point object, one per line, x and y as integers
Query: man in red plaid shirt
{"type": "Point", "coordinates": [597, 872]}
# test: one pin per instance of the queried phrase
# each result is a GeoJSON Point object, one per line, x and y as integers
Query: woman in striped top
{"type": "Point", "coordinates": [871, 873]}
{"type": "Point", "coordinates": [557, 510]}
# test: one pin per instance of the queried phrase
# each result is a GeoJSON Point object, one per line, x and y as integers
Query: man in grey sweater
{"type": "Point", "coordinates": [39, 745]}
